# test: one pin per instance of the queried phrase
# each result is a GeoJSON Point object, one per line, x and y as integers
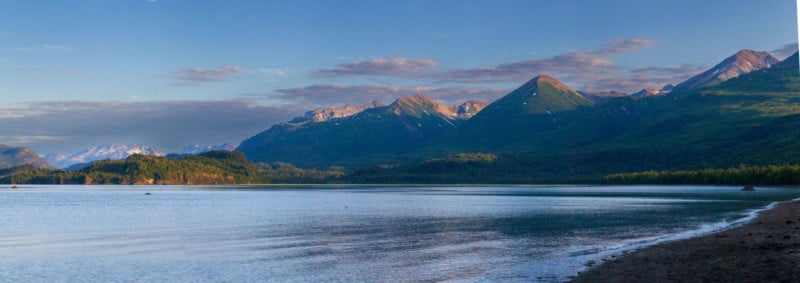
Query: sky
{"type": "Point", "coordinates": [170, 73]}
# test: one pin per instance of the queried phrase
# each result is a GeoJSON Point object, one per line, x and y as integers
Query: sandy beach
{"type": "Point", "coordinates": [767, 249]}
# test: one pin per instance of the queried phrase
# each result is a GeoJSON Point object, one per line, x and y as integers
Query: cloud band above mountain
{"type": "Point", "coordinates": [333, 94]}
{"type": "Point", "coordinates": [200, 75]}
{"type": "Point", "coordinates": [393, 66]}
{"type": "Point", "coordinates": [589, 69]}
{"type": "Point", "coordinates": [66, 125]}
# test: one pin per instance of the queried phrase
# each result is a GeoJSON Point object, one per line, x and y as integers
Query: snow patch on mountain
{"type": "Point", "coordinates": [106, 151]}
{"type": "Point", "coordinates": [197, 149]}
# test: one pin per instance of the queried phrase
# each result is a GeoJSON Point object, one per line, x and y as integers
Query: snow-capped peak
{"type": "Point", "coordinates": [106, 151]}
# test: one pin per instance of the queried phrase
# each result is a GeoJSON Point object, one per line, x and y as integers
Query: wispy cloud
{"type": "Point", "coordinates": [648, 77]}
{"type": "Point", "coordinates": [669, 71]}
{"type": "Point", "coordinates": [576, 66]}
{"type": "Point", "coordinates": [589, 70]}
{"type": "Point", "coordinates": [637, 79]}
{"type": "Point", "coordinates": [32, 140]}
{"type": "Point", "coordinates": [200, 75]}
{"type": "Point", "coordinates": [564, 64]}
{"type": "Point", "coordinates": [622, 45]}
{"type": "Point", "coordinates": [333, 94]}
{"type": "Point", "coordinates": [393, 66]}
{"type": "Point", "coordinates": [52, 125]}
{"type": "Point", "coordinates": [273, 72]}
{"type": "Point", "coordinates": [785, 51]}
{"type": "Point", "coordinates": [48, 48]}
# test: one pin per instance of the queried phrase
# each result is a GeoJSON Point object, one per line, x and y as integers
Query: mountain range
{"type": "Point", "coordinates": [377, 132]}
{"type": "Point", "coordinates": [745, 110]}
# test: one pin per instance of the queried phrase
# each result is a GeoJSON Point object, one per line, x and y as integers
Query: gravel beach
{"type": "Point", "coordinates": [767, 249]}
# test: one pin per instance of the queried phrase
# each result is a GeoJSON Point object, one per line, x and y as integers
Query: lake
{"type": "Point", "coordinates": [341, 233]}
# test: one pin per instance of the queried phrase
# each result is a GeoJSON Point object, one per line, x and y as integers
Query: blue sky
{"type": "Point", "coordinates": [172, 73]}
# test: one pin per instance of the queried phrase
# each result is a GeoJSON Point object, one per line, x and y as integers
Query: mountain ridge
{"type": "Point", "coordinates": [547, 125]}
{"type": "Point", "coordinates": [743, 62]}
{"type": "Point", "coordinates": [329, 113]}
{"type": "Point", "coordinates": [381, 133]}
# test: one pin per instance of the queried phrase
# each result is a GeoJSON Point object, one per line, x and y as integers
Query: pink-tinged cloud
{"type": "Point", "coordinates": [577, 65]}
{"type": "Point", "coordinates": [199, 75]}
{"type": "Point", "coordinates": [576, 62]}
{"type": "Point", "coordinates": [623, 46]}
{"type": "Point", "coordinates": [393, 66]}
{"type": "Point", "coordinates": [332, 94]}
{"type": "Point", "coordinates": [588, 70]}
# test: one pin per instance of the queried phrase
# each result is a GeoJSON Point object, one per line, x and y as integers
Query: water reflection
{"type": "Point", "coordinates": [341, 234]}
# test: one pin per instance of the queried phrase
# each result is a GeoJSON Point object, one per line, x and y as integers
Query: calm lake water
{"type": "Point", "coordinates": [249, 234]}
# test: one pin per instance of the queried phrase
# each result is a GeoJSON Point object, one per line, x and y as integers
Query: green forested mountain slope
{"type": "Point", "coordinates": [375, 135]}
{"type": "Point", "coordinates": [545, 130]}
{"type": "Point", "coordinates": [753, 119]}
{"type": "Point", "coordinates": [523, 118]}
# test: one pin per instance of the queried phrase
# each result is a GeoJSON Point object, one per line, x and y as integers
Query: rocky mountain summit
{"type": "Point", "coordinates": [329, 113]}
{"type": "Point", "coordinates": [742, 62]}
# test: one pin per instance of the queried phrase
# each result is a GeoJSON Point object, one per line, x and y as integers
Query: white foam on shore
{"type": "Point", "coordinates": [563, 265]}
{"type": "Point", "coordinates": [599, 255]}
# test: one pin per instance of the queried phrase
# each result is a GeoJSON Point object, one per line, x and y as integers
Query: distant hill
{"type": "Point", "coordinates": [11, 156]}
{"type": "Point", "coordinates": [197, 149]}
{"type": "Point", "coordinates": [468, 109]}
{"type": "Point", "coordinates": [652, 92]}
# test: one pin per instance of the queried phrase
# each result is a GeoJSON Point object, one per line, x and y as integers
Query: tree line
{"type": "Point", "coordinates": [785, 175]}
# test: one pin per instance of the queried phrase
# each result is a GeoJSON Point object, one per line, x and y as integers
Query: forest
{"type": "Point", "coordinates": [785, 175]}
{"type": "Point", "coordinates": [224, 167]}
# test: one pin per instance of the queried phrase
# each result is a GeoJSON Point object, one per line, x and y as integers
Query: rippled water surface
{"type": "Point", "coordinates": [245, 234]}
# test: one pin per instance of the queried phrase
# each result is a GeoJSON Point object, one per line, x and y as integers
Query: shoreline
{"type": "Point", "coordinates": [764, 249]}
